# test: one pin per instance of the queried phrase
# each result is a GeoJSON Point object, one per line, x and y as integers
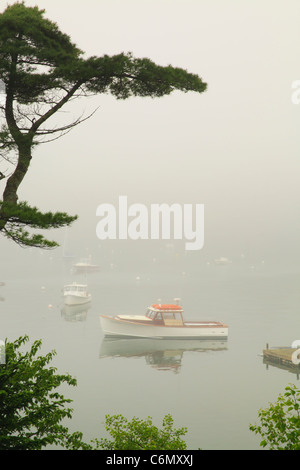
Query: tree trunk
{"type": "Point", "coordinates": [14, 181]}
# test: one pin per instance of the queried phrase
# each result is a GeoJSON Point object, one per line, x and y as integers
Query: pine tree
{"type": "Point", "coordinates": [42, 70]}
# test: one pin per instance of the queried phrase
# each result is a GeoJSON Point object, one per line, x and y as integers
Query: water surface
{"type": "Point", "coordinates": [214, 388]}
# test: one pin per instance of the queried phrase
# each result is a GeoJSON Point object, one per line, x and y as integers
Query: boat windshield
{"type": "Point", "coordinates": [153, 314]}
{"type": "Point", "coordinates": [150, 313]}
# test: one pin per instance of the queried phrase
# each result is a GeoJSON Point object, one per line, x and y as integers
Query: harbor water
{"type": "Point", "coordinates": [214, 388]}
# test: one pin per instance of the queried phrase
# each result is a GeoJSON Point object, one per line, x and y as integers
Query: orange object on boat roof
{"type": "Point", "coordinates": [166, 307]}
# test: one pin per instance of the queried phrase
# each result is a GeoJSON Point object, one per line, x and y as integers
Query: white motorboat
{"type": "Point", "coordinates": [161, 321]}
{"type": "Point", "coordinates": [76, 294]}
{"type": "Point", "coordinates": [85, 266]}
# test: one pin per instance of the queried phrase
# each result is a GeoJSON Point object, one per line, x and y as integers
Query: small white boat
{"type": "Point", "coordinates": [161, 321]}
{"type": "Point", "coordinates": [76, 294]}
{"type": "Point", "coordinates": [85, 266]}
{"type": "Point", "coordinates": [223, 261]}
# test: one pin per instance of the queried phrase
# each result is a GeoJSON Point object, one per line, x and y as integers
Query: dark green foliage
{"type": "Point", "coordinates": [124, 76]}
{"type": "Point", "coordinates": [280, 423]}
{"type": "Point", "coordinates": [139, 434]}
{"type": "Point", "coordinates": [16, 216]}
{"type": "Point", "coordinates": [29, 41]}
{"type": "Point", "coordinates": [31, 408]}
{"type": "Point", "coordinates": [23, 214]}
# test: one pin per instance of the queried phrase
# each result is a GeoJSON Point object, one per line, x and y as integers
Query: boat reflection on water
{"type": "Point", "coordinates": [159, 353]}
{"type": "Point", "coordinates": [75, 313]}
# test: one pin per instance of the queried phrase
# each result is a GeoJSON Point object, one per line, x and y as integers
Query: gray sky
{"type": "Point", "coordinates": [234, 148]}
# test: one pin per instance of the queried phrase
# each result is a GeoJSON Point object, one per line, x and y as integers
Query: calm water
{"type": "Point", "coordinates": [215, 389]}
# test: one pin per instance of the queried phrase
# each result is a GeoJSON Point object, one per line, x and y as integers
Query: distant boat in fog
{"type": "Point", "coordinates": [68, 255]}
{"type": "Point", "coordinates": [223, 261]}
{"type": "Point", "coordinates": [85, 266]}
{"type": "Point", "coordinates": [76, 294]}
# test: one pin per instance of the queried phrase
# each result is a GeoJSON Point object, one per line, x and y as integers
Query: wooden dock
{"type": "Point", "coordinates": [282, 358]}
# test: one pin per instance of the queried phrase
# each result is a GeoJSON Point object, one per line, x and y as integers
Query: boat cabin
{"type": "Point", "coordinates": [75, 288]}
{"type": "Point", "coordinates": [167, 314]}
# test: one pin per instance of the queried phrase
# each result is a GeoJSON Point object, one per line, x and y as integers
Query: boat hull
{"type": "Point", "coordinates": [76, 299]}
{"type": "Point", "coordinates": [112, 326]}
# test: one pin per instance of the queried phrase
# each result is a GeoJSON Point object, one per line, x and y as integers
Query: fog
{"type": "Point", "coordinates": [233, 148]}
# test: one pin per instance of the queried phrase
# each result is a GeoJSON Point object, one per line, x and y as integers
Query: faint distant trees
{"type": "Point", "coordinates": [42, 70]}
